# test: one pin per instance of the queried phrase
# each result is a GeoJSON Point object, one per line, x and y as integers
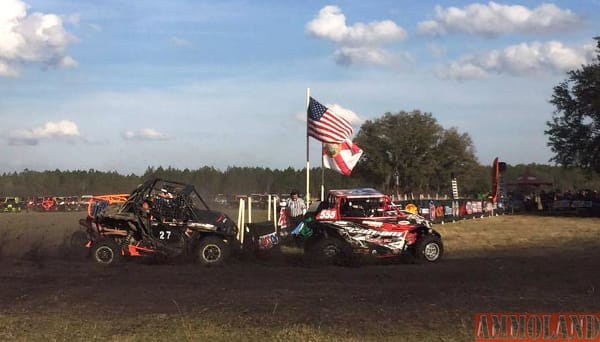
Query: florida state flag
{"type": "Point", "coordinates": [341, 157]}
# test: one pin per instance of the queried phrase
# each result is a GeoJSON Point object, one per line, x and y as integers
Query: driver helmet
{"type": "Point", "coordinates": [166, 194]}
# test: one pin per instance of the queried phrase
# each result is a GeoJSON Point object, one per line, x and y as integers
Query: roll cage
{"type": "Point", "coordinates": [180, 196]}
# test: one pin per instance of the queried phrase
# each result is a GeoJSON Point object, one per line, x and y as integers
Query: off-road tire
{"type": "Point", "coordinates": [106, 252]}
{"type": "Point", "coordinates": [212, 251]}
{"type": "Point", "coordinates": [327, 251]}
{"type": "Point", "coordinates": [428, 248]}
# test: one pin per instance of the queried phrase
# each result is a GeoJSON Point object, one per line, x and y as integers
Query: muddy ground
{"type": "Point", "coordinates": [499, 264]}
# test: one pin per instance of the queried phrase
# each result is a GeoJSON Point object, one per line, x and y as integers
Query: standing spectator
{"type": "Point", "coordinates": [295, 209]}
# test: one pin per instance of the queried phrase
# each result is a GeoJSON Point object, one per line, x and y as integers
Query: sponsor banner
{"type": "Point", "coordinates": [282, 221]}
{"type": "Point", "coordinates": [581, 204]}
{"type": "Point", "coordinates": [568, 204]}
{"type": "Point", "coordinates": [469, 208]}
{"type": "Point", "coordinates": [562, 204]}
{"type": "Point", "coordinates": [411, 208]}
{"type": "Point", "coordinates": [526, 327]}
{"type": "Point", "coordinates": [439, 212]}
{"type": "Point", "coordinates": [268, 241]}
{"type": "Point", "coordinates": [456, 208]}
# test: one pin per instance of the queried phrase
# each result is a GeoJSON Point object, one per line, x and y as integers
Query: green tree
{"type": "Point", "coordinates": [455, 155]}
{"type": "Point", "coordinates": [574, 132]}
{"type": "Point", "coordinates": [417, 148]}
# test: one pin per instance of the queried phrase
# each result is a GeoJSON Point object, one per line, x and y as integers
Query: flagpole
{"type": "Point", "coordinates": [307, 149]}
{"type": "Point", "coordinates": [322, 174]}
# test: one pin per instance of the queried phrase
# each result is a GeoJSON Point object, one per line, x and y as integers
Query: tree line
{"type": "Point", "coordinates": [246, 180]}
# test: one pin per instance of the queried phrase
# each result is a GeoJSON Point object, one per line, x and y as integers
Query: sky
{"type": "Point", "coordinates": [124, 85]}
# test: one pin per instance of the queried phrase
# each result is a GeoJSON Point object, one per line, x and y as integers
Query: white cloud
{"type": "Point", "coordinates": [519, 60]}
{"type": "Point", "coordinates": [345, 55]}
{"type": "Point", "coordinates": [61, 130]}
{"type": "Point", "coordinates": [354, 119]}
{"type": "Point", "coordinates": [331, 24]}
{"type": "Point", "coordinates": [34, 38]}
{"type": "Point", "coordinates": [68, 62]}
{"type": "Point", "coordinates": [145, 134]}
{"type": "Point", "coordinates": [462, 69]}
{"type": "Point", "coordinates": [7, 70]}
{"type": "Point", "coordinates": [346, 113]}
{"type": "Point", "coordinates": [180, 42]}
{"type": "Point", "coordinates": [590, 52]}
{"type": "Point", "coordinates": [438, 51]}
{"type": "Point", "coordinates": [493, 19]}
{"type": "Point", "coordinates": [357, 44]}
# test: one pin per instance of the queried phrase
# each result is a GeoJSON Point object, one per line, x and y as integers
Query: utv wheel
{"type": "Point", "coordinates": [212, 251]}
{"type": "Point", "coordinates": [327, 250]}
{"type": "Point", "coordinates": [428, 248]}
{"type": "Point", "coordinates": [106, 252]}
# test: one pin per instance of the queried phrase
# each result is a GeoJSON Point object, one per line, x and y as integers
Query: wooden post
{"type": "Point", "coordinates": [275, 218]}
{"type": "Point", "coordinates": [241, 217]}
{"type": "Point", "coordinates": [249, 209]}
{"type": "Point", "coordinates": [269, 208]}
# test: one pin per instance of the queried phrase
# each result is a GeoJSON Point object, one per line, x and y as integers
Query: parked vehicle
{"type": "Point", "coordinates": [47, 203]}
{"type": "Point", "coordinates": [84, 200]}
{"type": "Point", "coordinates": [30, 203]}
{"type": "Point", "coordinates": [72, 203]}
{"type": "Point", "coordinates": [11, 204]}
{"type": "Point", "coordinates": [60, 203]}
{"type": "Point", "coordinates": [220, 199]}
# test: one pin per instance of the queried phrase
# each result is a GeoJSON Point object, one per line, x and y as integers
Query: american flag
{"type": "Point", "coordinates": [325, 125]}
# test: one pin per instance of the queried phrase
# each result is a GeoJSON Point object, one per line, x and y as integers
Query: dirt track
{"type": "Point", "coordinates": [377, 300]}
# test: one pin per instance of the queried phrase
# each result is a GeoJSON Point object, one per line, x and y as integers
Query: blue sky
{"type": "Point", "coordinates": [119, 85]}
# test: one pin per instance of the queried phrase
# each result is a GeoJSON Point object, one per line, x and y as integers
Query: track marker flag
{"type": "Point", "coordinates": [325, 125]}
{"type": "Point", "coordinates": [341, 157]}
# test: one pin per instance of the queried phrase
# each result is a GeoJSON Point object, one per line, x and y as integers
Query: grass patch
{"type": "Point", "coordinates": [520, 234]}
{"type": "Point", "coordinates": [163, 327]}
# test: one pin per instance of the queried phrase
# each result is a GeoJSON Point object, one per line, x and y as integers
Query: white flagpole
{"type": "Point", "coordinates": [307, 154]}
{"type": "Point", "coordinates": [322, 174]}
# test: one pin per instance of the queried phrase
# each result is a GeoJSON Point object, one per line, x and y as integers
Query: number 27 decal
{"type": "Point", "coordinates": [164, 234]}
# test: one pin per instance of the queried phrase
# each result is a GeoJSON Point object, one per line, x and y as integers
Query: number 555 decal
{"type": "Point", "coordinates": [326, 215]}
